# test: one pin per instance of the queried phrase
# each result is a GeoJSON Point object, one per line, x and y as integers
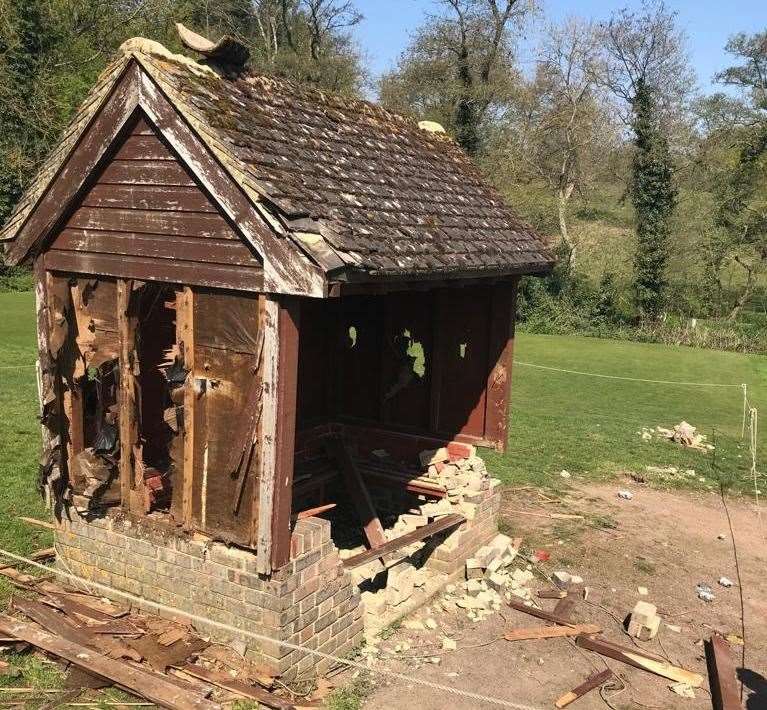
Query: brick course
{"type": "Point", "coordinates": [311, 596]}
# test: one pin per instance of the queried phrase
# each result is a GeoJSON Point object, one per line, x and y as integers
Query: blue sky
{"type": "Point", "coordinates": [385, 30]}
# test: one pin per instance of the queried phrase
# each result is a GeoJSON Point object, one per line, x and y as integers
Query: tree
{"type": "Point", "coordinates": [646, 67]}
{"type": "Point", "coordinates": [558, 129]}
{"type": "Point", "coordinates": [459, 67]}
{"type": "Point", "coordinates": [653, 196]}
{"type": "Point", "coordinates": [740, 186]}
{"type": "Point", "coordinates": [51, 52]}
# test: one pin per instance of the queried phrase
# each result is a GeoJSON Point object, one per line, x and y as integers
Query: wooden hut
{"type": "Point", "coordinates": [245, 289]}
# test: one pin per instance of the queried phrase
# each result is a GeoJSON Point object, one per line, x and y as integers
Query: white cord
{"type": "Point", "coordinates": [260, 637]}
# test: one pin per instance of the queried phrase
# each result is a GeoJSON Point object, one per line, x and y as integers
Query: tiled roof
{"type": "Point", "coordinates": [386, 196]}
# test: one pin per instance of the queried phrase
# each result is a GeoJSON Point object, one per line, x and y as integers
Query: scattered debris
{"type": "Point", "coordinates": [640, 659]}
{"type": "Point", "coordinates": [722, 677]}
{"type": "Point", "coordinates": [644, 622]}
{"type": "Point", "coordinates": [725, 582]}
{"type": "Point", "coordinates": [626, 495]}
{"type": "Point", "coordinates": [682, 689]}
{"type": "Point", "coordinates": [592, 682]}
{"type": "Point", "coordinates": [685, 435]}
{"type": "Point", "coordinates": [642, 591]}
{"type": "Point", "coordinates": [565, 474]}
{"type": "Point", "coordinates": [550, 632]}
{"type": "Point", "coordinates": [704, 592]}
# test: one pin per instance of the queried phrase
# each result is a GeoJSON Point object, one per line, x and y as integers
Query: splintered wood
{"type": "Point", "coordinates": [159, 660]}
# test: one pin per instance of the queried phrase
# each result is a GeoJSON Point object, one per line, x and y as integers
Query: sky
{"type": "Point", "coordinates": [385, 31]}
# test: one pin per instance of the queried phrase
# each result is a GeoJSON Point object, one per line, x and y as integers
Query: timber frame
{"type": "Point", "coordinates": [218, 331]}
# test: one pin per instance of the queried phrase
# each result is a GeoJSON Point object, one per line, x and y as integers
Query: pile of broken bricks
{"type": "Point", "coordinates": [464, 476]}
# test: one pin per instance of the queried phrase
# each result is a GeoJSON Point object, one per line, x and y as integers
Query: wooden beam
{"type": "Point", "coordinates": [264, 697]}
{"type": "Point", "coordinates": [126, 327]}
{"type": "Point", "coordinates": [437, 358]}
{"type": "Point", "coordinates": [503, 307]}
{"type": "Point", "coordinates": [185, 338]}
{"type": "Point", "coordinates": [722, 678]}
{"type": "Point", "coordinates": [263, 505]}
{"type": "Point", "coordinates": [287, 385]}
{"type": "Point", "coordinates": [438, 526]}
{"type": "Point", "coordinates": [358, 491]}
{"type": "Point", "coordinates": [147, 685]}
{"type": "Point", "coordinates": [592, 682]}
{"type": "Point", "coordinates": [551, 632]}
{"type": "Point", "coordinates": [538, 613]}
{"type": "Point", "coordinates": [641, 660]}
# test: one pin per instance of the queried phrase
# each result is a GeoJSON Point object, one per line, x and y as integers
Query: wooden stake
{"type": "Point", "coordinates": [638, 659]}
{"type": "Point", "coordinates": [588, 685]}
{"type": "Point", "coordinates": [721, 675]}
{"type": "Point", "coordinates": [185, 335]}
{"type": "Point", "coordinates": [550, 632]}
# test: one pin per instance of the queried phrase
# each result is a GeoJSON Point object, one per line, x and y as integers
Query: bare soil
{"type": "Point", "coordinates": [667, 542]}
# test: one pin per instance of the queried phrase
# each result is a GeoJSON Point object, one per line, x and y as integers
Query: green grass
{"type": "Point", "coordinates": [590, 426]}
{"type": "Point", "coordinates": [586, 425]}
{"type": "Point", "coordinates": [19, 429]}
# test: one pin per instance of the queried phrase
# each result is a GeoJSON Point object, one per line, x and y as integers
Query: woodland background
{"type": "Point", "coordinates": [652, 192]}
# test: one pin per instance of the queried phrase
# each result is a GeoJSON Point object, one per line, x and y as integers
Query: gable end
{"type": "Point", "coordinates": [145, 216]}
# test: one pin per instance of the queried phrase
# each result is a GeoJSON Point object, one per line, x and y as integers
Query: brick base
{"type": "Point", "coordinates": [311, 601]}
{"type": "Point", "coordinates": [481, 510]}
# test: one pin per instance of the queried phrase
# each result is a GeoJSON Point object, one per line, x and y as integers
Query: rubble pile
{"type": "Point", "coordinates": [387, 585]}
{"type": "Point", "coordinates": [684, 434]}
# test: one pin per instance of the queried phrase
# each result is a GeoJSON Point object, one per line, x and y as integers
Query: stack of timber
{"type": "Point", "coordinates": [100, 644]}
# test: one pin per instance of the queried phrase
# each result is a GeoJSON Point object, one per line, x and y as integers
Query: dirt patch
{"type": "Point", "coordinates": [666, 542]}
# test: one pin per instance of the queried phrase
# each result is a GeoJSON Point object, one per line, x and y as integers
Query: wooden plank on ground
{"type": "Point", "coordinates": [722, 678]}
{"type": "Point", "coordinates": [593, 681]}
{"type": "Point", "coordinates": [640, 659]}
{"type": "Point", "coordinates": [439, 525]}
{"type": "Point", "coordinates": [237, 686]}
{"type": "Point", "coordinates": [538, 613]}
{"type": "Point", "coordinates": [550, 632]}
{"type": "Point", "coordinates": [135, 680]}
{"type": "Point", "coordinates": [358, 491]}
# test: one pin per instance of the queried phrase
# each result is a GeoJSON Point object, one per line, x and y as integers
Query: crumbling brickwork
{"type": "Point", "coordinates": [311, 601]}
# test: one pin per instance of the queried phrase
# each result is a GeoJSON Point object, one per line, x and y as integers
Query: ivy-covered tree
{"type": "Point", "coordinates": [653, 196]}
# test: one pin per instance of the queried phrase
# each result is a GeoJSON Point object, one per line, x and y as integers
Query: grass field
{"type": "Point", "coordinates": [586, 425]}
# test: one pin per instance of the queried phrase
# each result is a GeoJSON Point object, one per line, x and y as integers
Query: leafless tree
{"type": "Point", "coordinates": [647, 46]}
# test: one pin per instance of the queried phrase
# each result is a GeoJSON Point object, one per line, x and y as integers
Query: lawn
{"type": "Point", "coordinates": [586, 425]}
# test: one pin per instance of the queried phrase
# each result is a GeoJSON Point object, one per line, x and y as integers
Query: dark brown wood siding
{"type": "Point", "coordinates": [145, 216]}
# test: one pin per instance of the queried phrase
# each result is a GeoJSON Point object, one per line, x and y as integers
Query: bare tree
{"type": "Point", "coordinates": [559, 129]}
{"type": "Point", "coordinates": [647, 47]}
{"type": "Point", "coordinates": [460, 65]}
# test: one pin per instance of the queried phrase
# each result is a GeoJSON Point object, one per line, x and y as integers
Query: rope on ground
{"type": "Point", "coordinates": [629, 379]}
{"type": "Point", "coordinates": [260, 637]}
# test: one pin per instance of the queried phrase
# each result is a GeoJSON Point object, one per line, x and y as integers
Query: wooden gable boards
{"type": "Point", "coordinates": [286, 269]}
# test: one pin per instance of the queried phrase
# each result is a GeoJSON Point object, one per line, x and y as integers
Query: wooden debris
{"type": "Point", "coordinates": [358, 491]}
{"type": "Point", "coordinates": [80, 678]}
{"type": "Point", "coordinates": [19, 578]}
{"type": "Point", "coordinates": [721, 674]}
{"type": "Point", "coordinates": [162, 657]}
{"type": "Point", "coordinates": [47, 553]}
{"type": "Point", "coordinates": [640, 659]}
{"type": "Point", "coordinates": [135, 680]}
{"type": "Point", "coordinates": [551, 593]}
{"type": "Point", "coordinates": [238, 687]}
{"type": "Point", "coordinates": [593, 681]}
{"type": "Point", "coordinates": [439, 525]}
{"type": "Point", "coordinates": [538, 613]}
{"type": "Point", "coordinates": [38, 523]}
{"type": "Point", "coordinates": [564, 607]}
{"type": "Point", "coordinates": [311, 512]}
{"type": "Point", "coordinates": [173, 634]}
{"type": "Point", "coordinates": [550, 632]}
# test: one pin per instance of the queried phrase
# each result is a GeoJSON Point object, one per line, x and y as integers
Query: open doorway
{"type": "Point", "coordinates": [157, 415]}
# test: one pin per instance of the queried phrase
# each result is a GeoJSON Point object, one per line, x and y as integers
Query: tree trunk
{"type": "Point", "coordinates": [563, 198]}
{"type": "Point", "coordinates": [745, 294]}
